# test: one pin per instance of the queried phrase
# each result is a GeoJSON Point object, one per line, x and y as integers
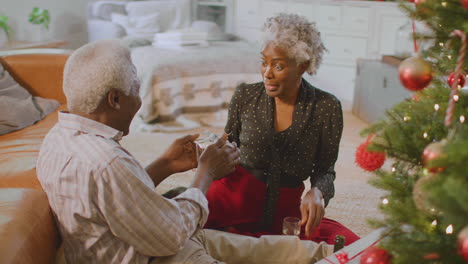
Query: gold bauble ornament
{"type": "Point", "coordinates": [415, 73]}
{"type": "Point", "coordinates": [434, 151]}
{"type": "Point", "coordinates": [421, 195]}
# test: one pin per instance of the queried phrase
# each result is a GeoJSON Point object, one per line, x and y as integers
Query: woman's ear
{"type": "Point", "coordinates": [113, 99]}
{"type": "Point", "coordinates": [303, 67]}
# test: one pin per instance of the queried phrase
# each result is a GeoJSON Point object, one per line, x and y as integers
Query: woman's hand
{"type": "Point", "coordinates": [220, 158]}
{"type": "Point", "coordinates": [181, 155]}
{"type": "Point", "coordinates": [312, 210]}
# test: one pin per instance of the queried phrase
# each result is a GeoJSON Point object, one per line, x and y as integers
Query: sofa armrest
{"type": "Point", "coordinates": [27, 228]}
{"type": "Point", "coordinates": [40, 74]}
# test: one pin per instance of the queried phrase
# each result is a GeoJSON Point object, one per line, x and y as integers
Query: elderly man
{"type": "Point", "coordinates": [105, 202]}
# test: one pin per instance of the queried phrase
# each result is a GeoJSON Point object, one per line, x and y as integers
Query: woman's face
{"type": "Point", "coordinates": [281, 74]}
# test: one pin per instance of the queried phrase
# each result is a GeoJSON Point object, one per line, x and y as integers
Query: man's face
{"type": "Point", "coordinates": [130, 103]}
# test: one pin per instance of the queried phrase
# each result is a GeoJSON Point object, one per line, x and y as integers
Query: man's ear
{"type": "Point", "coordinates": [113, 99]}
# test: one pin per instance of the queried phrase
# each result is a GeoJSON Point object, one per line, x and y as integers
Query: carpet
{"type": "Point", "coordinates": [355, 200]}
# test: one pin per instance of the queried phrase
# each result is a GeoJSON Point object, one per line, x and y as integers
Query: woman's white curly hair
{"type": "Point", "coordinates": [297, 36]}
{"type": "Point", "coordinates": [93, 70]}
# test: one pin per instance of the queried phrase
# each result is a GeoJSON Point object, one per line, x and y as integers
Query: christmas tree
{"type": "Point", "coordinates": [425, 139]}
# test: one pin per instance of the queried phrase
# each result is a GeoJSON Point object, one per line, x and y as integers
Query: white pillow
{"type": "Point", "coordinates": [141, 8]}
{"type": "Point", "coordinates": [174, 14]}
{"type": "Point", "coordinates": [121, 20]}
{"type": "Point", "coordinates": [148, 23]}
{"type": "Point", "coordinates": [138, 26]}
{"type": "Point", "coordinates": [213, 30]}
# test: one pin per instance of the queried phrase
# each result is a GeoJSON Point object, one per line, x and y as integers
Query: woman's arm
{"type": "Point", "coordinates": [233, 125]}
{"type": "Point", "coordinates": [332, 130]}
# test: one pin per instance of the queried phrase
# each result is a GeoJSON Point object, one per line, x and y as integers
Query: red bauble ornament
{"type": "Point", "coordinates": [433, 151]}
{"type": "Point", "coordinates": [415, 73]}
{"type": "Point", "coordinates": [461, 79]}
{"type": "Point", "coordinates": [462, 243]}
{"type": "Point", "coordinates": [411, 1]}
{"type": "Point", "coordinates": [417, 2]}
{"type": "Point", "coordinates": [464, 3]}
{"type": "Point", "coordinates": [369, 160]}
{"type": "Point", "coordinates": [375, 255]}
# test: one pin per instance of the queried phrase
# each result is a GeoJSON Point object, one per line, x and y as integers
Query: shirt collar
{"type": "Point", "coordinates": [88, 126]}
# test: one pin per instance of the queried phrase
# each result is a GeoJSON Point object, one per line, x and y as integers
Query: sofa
{"type": "Point", "coordinates": [27, 229]}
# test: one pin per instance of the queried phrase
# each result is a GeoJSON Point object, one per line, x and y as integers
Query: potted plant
{"type": "Point", "coordinates": [40, 17]}
{"type": "Point", "coordinates": [5, 28]}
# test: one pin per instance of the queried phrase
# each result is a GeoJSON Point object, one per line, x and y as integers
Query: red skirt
{"type": "Point", "coordinates": [236, 205]}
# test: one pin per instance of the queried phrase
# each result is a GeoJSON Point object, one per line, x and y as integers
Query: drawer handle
{"type": "Point", "coordinates": [360, 20]}
{"type": "Point", "coordinates": [385, 82]}
{"type": "Point", "coordinates": [250, 12]}
{"type": "Point", "coordinates": [347, 51]}
{"type": "Point", "coordinates": [332, 18]}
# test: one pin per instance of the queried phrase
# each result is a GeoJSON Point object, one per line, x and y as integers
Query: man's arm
{"type": "Point", "coordinates": [179, 157]}
{"type": "Point", "coordinates": [159, 170]}
{"type": "Point", "coordinates": [136, 214]}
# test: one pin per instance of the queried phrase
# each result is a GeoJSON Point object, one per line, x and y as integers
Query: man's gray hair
{"type": "Point", "coordinates": [93, 70]}
{"type": "Point", "coordinates": [297, 36]}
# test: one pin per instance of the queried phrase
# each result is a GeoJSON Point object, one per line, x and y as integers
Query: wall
{"type": "Point", "coordinates": [68, 19]}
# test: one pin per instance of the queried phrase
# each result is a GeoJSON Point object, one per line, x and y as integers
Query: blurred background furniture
{"type": "Point", "coordinates": [377, 89]}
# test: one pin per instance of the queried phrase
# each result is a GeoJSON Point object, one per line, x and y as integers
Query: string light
{"type": "Point", "coordinates": [425, 135]}
{"type": "Point", "coordinates": [406, 118]}
{"type": "Point", "coordinates": [393, 169]}
{"type": "Point", "coordinates": [462, 119]}
{"type": "Point", "coordinates": [449, 230]}
{"type": "Point", "coordinates": [456, 97]}
{"type": "Point", "coordinates": [449, 57]}
{"type": "Point", "coordinates": [434, 223]}
{"type": "Point", "coordinates": [385, 201]}
{"type": "Point", "coordinates": [444, 4]}
{"type": "Point", "coordinates": [436, 107]}
{"type": "Point", "coordinates": [441, 44]}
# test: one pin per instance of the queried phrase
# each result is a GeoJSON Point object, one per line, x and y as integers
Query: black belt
{"type": "Point", "coordinates": [262, 176]}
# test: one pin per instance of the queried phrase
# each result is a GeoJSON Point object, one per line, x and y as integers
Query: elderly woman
{"type": "Point", "coordinates": [288, 131]}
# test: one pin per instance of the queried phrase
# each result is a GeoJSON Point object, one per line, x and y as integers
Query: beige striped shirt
{"type": "Point", "coordinates": [104, 200]}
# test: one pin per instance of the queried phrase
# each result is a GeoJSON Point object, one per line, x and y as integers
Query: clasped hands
{"type": "Point", "coordinates": [219, 158]}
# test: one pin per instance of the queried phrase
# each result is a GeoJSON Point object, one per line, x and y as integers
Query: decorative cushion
{"type": "Point", "coordinates": [19, 109]}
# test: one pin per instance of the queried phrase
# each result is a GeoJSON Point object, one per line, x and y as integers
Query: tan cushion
{"type": "Point", "coordinates": [19, 151]}
{"type": "Point", "coordinates": [27, 229]}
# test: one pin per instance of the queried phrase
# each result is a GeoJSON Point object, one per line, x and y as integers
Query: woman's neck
{"type": "Point", "coordinates": [289, 98]}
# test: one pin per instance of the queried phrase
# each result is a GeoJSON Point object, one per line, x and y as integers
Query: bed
{"type": "Point", "coordinates": [185, 80]}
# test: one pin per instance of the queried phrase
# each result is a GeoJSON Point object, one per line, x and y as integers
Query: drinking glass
{"type": "Point", "coordinates": [204, 140]}
{"type": "Point", "coordinates": [291, 226]}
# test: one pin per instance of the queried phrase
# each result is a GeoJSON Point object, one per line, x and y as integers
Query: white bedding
{"type": "Point", "coordinates": [193, 79]}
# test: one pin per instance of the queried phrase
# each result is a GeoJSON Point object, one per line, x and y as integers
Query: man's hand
{"type": "Point", "coordinates": [181, 154]}
{"type": "Point", "coordinates": [312, 210]}
{"type": "Point", "coordinates": [217, 160]}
